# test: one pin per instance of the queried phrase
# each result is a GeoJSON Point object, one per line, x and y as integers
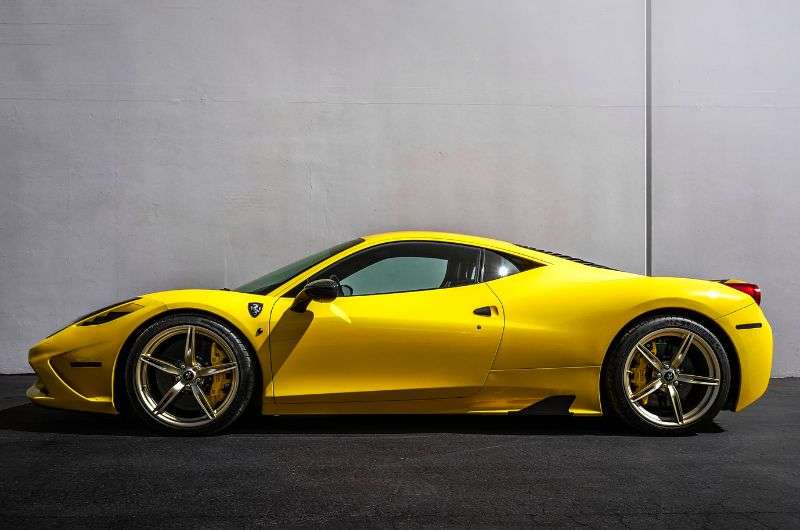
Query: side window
{"type": "Point", "coordinates": [406, 266]}
{"type": "Point", "coordinates": [400, 273]}
{"type": "Point", "coordinates": [498, 266]}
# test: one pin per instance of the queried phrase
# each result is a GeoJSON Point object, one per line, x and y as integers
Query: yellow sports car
{"type": "Point", "coordinates": [418, 322]}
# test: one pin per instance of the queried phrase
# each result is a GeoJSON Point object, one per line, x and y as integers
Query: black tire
{"type": "Point", "coordinates": [238, 403]}
{"type": "Point", "coordinates": [615, 392]}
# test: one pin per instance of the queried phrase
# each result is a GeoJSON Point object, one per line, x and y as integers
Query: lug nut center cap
{"type": "Point", "coordinates": [669, 376]}
{"type": "Point", "coordinates": [187, 376]}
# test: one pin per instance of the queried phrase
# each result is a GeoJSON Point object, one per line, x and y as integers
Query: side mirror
{"type": "Point", "coordinates": [322, 290]}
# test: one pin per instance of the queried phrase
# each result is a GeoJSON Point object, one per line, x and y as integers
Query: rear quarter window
{"type": "Point", "coordinates": [498, 265]}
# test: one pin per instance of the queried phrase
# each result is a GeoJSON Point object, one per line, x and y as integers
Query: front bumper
{"type": "Point", "coordinates": [75, 366]}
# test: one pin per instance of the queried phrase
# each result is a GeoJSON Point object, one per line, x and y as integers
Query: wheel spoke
{"type": "Point", "coordinates": [648, 389]}
{"type": "Point", "coordinates": [168, 398]}
{"type": "Point", "coordinates": [160, 364]}
{"type": "Point", "coordinates": [200, 396]}
{"type": "Point", "coordinates": [189, 349]}
{"type": "Point", "coordinates": [650, 356]}
{"type": "Point", "coordinates": [698, 379]}
{"type": "Point", "coordinates": [676, 404]}
{"type": "Point", "coordinates": [680, 355]}
{"type": "Point", "coordinates": [216, 369]}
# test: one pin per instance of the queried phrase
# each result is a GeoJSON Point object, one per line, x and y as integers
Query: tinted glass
{"type": "Point", "coordinates": [498, 266]}
{"type": "Point", "coordinates": [411, 266]}
{"type": "Point", "coordinates": [278, 277]}
{"type": "Point", "coordinates": [391, 275]}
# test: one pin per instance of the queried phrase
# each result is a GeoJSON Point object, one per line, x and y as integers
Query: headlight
{"type": "Point", "coordinates": [104, 314]}
{"type": "Point", "coordinates": [109, 313]}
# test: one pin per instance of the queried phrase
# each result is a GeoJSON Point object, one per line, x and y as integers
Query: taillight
{"type": "Point", "coordinates": [748, 288]}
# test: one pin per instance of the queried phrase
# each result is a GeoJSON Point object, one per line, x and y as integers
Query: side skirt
{"type": "Point", "coordinates": [549, 406]}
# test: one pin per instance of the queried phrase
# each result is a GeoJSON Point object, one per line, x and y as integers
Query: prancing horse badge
{"type": "Point", "coordinates": [255, 308]}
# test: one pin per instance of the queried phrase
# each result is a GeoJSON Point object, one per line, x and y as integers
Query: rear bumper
{"type": "Point", "coordinates": [751, 335]}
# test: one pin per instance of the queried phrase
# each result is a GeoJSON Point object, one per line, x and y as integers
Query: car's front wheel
{"type": "Point", "coordinates": [189, 374]}
{"type": "Point", "coordinates": [668, 374]}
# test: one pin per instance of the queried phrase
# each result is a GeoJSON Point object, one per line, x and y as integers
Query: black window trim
{"type": "Point", "coordinates": [291, 293]}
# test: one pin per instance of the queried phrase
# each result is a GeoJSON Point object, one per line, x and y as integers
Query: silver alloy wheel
{"type": "Point", "coordinates": [672, 377]}
{"type": "Point", "coordinates": [173, 376]}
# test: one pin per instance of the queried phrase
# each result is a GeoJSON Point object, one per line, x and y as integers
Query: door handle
{"type": "Point", "coordinates": [485, 311]}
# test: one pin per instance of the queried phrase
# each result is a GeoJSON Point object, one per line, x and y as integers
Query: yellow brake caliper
{"type": "Point", "coordinates": [217, 392]}
{"type": "Point", "coordinates": [639, 371]}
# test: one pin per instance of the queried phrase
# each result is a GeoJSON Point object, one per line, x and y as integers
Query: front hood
{"type": "Point", "coordinates": [203, 296]}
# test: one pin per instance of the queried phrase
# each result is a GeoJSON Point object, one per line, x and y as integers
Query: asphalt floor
{"type": "Point", "coordinates": [67, 469]}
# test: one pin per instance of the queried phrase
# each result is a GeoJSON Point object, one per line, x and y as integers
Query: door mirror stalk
{"type": "Point", "coordinates": [322, 290]}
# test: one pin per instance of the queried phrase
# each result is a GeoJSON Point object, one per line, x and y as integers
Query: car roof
{"type": "Point", "coordinates": [542, 256]}
{"type": "Point", "coordinates": [426, 235]}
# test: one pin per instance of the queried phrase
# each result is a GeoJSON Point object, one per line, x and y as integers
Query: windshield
{"type": "Point", "coordinates": [276, 278]}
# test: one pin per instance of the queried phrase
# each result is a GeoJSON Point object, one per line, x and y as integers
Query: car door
{"type": "Point", "coordinates": [411, 322]}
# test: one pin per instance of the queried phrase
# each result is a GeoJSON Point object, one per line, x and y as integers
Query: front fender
{"type": "Point", "coordinates": [233, 307]}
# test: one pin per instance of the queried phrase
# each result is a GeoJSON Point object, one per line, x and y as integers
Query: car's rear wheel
{"type": "Point", "coordinates": [668, 374]}
{"type": "Point", "coordinates": [189, 374]}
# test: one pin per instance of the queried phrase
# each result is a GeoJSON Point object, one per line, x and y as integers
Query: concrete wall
{"type": "Point", "coordinates": [726, 162]}
{"type": "Point", "coordinates": [148, 147]}
{"type": "Point", "coordinates": [170, 145]}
